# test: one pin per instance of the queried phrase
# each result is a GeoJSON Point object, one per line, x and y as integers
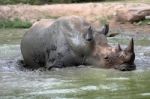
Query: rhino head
{"type": "Point", "coordinates": [103, 55]}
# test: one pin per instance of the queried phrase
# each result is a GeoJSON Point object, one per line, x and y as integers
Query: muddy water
{"type": "Point", "coordinates": [73, 83]}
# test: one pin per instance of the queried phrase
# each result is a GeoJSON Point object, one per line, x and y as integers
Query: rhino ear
{"type": "Point", "coordinates": [89, 34]}
{"type": "Point", "coordinates": [104, 30]}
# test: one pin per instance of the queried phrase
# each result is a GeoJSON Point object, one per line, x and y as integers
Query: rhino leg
{"type": "Point", "coordinates": [54, 61]}
{"type": "Point", "coordinates": [56, 64]}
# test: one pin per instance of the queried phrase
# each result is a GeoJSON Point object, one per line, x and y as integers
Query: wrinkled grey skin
{"type": "Point", "coordinates": [72, 41]}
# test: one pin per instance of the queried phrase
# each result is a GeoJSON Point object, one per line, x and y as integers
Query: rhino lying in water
{"type": "Point", "coordinates": [72, 41]}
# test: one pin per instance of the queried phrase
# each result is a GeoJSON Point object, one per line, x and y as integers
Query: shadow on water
{"type": "Point", "coordinates": [73, 83]}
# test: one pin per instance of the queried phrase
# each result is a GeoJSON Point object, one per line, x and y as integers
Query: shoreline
{"type": "Point", "coordinates": [96, 13]}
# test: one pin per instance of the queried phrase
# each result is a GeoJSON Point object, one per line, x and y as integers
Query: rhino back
{"type": "Point", "coordinates": [33, 43]}
{"type": "Point", "coordinates": [73, 28]}
{"type": "Point", "coordinates": [46, 40]}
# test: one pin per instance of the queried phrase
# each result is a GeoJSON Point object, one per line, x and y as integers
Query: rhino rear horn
{"type": "Point", "coordinates": [118, 48]}
{"type": "Point", "coordinates": [130, 47]}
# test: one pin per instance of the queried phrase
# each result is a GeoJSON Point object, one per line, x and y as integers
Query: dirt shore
{"type": "Point", "coordinates": [96, 13]}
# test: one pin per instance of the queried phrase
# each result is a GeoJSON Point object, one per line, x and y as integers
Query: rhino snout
{"type": "Point", "coordinates": [126, 67]}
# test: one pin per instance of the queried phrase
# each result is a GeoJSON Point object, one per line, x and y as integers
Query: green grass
{"type": "Point", "coordinates": [143, 22]}
{"type": "Point", "coordinates": [16, 23]}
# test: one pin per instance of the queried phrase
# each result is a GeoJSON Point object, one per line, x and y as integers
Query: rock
{"type": "Point", "coordinates": [132, 14]}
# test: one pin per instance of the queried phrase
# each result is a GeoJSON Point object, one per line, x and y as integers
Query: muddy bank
{"type": "Point", "coordinates": [96, 13]}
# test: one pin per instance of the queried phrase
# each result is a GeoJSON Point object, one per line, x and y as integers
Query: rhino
{"type": "Point", "coordinates": [73, 41]}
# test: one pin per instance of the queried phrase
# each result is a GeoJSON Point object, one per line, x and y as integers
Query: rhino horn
{"type": "Point", "coordinates": [130, 47]}
{"type": "Point", "coordinates": [118, 48]}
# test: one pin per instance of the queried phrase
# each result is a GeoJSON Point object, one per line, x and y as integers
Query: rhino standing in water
{"type": "Point", "coordinates": [72, 41]}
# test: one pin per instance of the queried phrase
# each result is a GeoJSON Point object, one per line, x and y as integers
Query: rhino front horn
{"type": "Point", "coordinates": [130, 47]}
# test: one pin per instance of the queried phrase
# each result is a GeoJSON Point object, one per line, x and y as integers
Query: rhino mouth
{"type": "Point", "coordinates": [125, 67]}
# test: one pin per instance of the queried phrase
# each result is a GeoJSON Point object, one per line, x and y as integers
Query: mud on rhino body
{"type": "Point", "coordinates": [72, 41]}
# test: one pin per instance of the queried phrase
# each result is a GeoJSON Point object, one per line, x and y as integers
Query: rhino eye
{"type": "Point", "coordinates": [122, 55]}
{"type": "Point", "coordinates": [106, 57]}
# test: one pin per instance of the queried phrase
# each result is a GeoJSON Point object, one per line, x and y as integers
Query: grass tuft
{"type": "Point", "coordinates": [143, 22]}
{"type": "Point", "coordinates": [16, 23]}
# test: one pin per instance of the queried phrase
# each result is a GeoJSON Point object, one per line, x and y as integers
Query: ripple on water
{"type": "Point", "coordinates": [145, 94]}
{"type": "Point", "coordinates": [9, 51]}
{"type": "Point", "coordinates": [89, 88]}
{"type": "Point", "coordinates": [8, 65]}
{"type": "Point", "coordinates": [110, 87]}
{"type": "Point", "coordinates": [142, 60]}
{"type": "Point", "coordinates": [53, 91]}
{"type": "Point", "coordinates": [119, 78]}
{"type": "Point", "coordinates": [9, 54]}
